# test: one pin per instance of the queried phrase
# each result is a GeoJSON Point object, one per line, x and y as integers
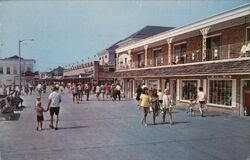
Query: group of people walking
{"type": "Point", "coordinates": [102, 91]}
{"type": "Point", "coordinates": [157, 101]}
{"type": "Point", "coordinates": [151, 100]}
{"type": "Point", "coordinates": [114, 91]}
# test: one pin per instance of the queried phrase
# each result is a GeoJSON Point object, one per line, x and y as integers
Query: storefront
{"type": "Point", "coordinates": [245, 98]}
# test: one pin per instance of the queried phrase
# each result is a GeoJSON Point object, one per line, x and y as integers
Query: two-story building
{"type": "Point", "coordinates": [90, 72]}
{"type": "Point", "coordinates": [9, 69]}
{"type": "Point", "coordinates": [213, 53]}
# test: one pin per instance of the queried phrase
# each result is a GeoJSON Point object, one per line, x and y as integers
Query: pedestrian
{"type": "Point", "coordinates": [87, 90]}
{"type": "Point", "coordinates": [167, 106]}
{"type": "Point", "coordinates": [79, 92]}
{"type": "Point", "coordinates": [74, 93]}
{"type": "Point", "coordinates": [54, 106]}
{"type": "Point", "coordinates": [144, 104]}
{"type": "Point", "coordinates": [26, 89]}
{"type": "Point", "coordinates": [113, 92]}
{"type": "Point", "coordinates": [31, 88]}
{"type": "Point", "coordinates": [202, 100]}
{"type": "Point", "coordinates": [154, 104]}
{"type": "Point", "coordinates": [118, 91]}
{"type": "Point", "coordinates": [39, 89]}
{"type": "Point", "coordinates": [39, 117]}
{"type": "Point", "coordinates": [138, 94]}
{"type": "Point", "coordinates": [97, 90]}
{"type": "Point", "coordinates": [38, 99]}
{"type": "Point", "coordinates": [160, 96]}
{"type": "Point", "coordinates": [107, 90]}
{"type": "Point", "coordinates": [44, 87]}
{"type": "Point", "coordinates": [102, 90]}
{"type": "Point", "coordinates": [82, 90]}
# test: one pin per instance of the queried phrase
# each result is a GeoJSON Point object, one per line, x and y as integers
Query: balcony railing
{"type": "Point", "coordinates": [230, 51]}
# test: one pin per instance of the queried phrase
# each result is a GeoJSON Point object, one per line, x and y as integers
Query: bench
{"type": "Point", "coordinates": [6, 110]}
{"type": "Point", "coordinates": [14, 101]}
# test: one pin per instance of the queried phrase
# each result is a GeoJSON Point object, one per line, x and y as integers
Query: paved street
{"type": "Point", "coordinates": [106, 130]}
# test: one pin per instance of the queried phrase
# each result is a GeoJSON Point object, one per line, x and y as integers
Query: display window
{"type": "Point", "coordinates": [220, 92]}
{"type": "Point", "coordinates": [153, 84]}
{"type": "Point", "coordinates": [189, 89]}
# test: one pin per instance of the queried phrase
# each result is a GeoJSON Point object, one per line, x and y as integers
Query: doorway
{"type": "Point", "coordinates": [246, 98]}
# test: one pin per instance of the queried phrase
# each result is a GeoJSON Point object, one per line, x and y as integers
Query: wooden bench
{"type": "Point", "coordinates": [6, 110]}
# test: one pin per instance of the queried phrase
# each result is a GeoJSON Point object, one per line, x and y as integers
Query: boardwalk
{"type": "Point", "coordinates": [106, 130]}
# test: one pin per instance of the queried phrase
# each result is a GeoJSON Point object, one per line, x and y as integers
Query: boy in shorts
{"type": "Point", "coordinates": [39, 111]}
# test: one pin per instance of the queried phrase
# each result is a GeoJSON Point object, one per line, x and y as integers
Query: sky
{"type": "Point", "coordinates": [68, 31]}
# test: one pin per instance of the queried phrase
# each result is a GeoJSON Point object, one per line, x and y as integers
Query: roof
{"type": "Point", "coordinates": [15, 57]}
{"type": "Point", "coordinates": [109, 49]}
{"type": "Point", "coordinates": [143, 33]}
{"type": "Point", "coordinates": [207, 22]}
{"type": "Point", "coordinates": [227, 67]}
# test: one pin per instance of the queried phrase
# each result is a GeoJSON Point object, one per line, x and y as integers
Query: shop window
{"type": "Point", "coordinates": [141, 61]}
{"type": "Point", "coordinates": [153, 84]}
{"type": "Point", "coordinates": [189, 89]}
{"type": "Point", "coordinates": [213, 48]}
{"type": "Point", "coordinates": [180, 53]}
{"type": "Point", "coordinates": [8, 70]}
{"type": "Point", "coordinates": [158, 57]}
{"type": "Point", "coordinates": [1, 70]}
{"type": "Point", "coordinates": [248, 34]}
{"type": "Point", "coordinates": [220, 92]}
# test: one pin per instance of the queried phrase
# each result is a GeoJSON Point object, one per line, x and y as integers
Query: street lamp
{"type": "Point", "coordinates": [20, 73]}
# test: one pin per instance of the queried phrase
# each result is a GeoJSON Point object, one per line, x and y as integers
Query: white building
{"type": "Point", "coordinates": [9, 69]}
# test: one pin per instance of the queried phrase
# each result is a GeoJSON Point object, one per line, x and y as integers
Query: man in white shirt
{"type": "Point", "coordinates": [118, 91]}
{"type": "Point", "coordinates": [54, 106]}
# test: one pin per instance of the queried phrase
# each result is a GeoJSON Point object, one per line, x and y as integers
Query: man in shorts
{"type": "Point", "coordinates": [54, 106]}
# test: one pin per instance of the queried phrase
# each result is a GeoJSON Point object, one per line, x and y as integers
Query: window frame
{"type": "Point", "coordinates": [2, 69]}
{"type": "Point", "coordinates": [181, 89]}
{"type": "Point", "coordinates": [8, 71]}
{"type": "Point", "coordinates": [174, 59]}
{"type": "Point", "coordinates": [212, 58]}
{"type": "Point", "coordinates": [247, 28]}
{"type": "Point", "coordinates": [155, 53]}
{"type": "Point", "coordinates": [15, 70]}
{"type": "Point", "coordinates": [233, 94]}
{"type": "Point", "coordinates": [141, 54]}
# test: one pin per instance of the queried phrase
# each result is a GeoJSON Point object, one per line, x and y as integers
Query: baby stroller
{"type": "Point", "coordinates": [190, 109]}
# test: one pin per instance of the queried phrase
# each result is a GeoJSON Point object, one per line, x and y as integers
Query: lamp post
{"type": "Point", "coordinates": [20, 72]}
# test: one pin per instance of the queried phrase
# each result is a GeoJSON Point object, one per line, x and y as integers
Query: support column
{"type": "Point", "coordinates": [146, 55]}
{"type": "Point", "coordinates": [204, 32]}
{"type": "Point", "coordinates": [169, 41]}
{"type": "Point", "coordinates": [130, 59]}
{"type": "Point", "coordinates": [117, 61]}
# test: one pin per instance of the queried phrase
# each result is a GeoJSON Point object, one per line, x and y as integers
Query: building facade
{"type": "Point", "coordinates": [213, 53]}
{"type": "Point", "coordinates": [9, 69]}
{"type": "Point", "coordinates": [90, 72]}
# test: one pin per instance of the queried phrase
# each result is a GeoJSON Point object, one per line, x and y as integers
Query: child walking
{"type": "Point", "coordinates": [202, 100]}
{"type": "Point", "coordinates": [39, 111]}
